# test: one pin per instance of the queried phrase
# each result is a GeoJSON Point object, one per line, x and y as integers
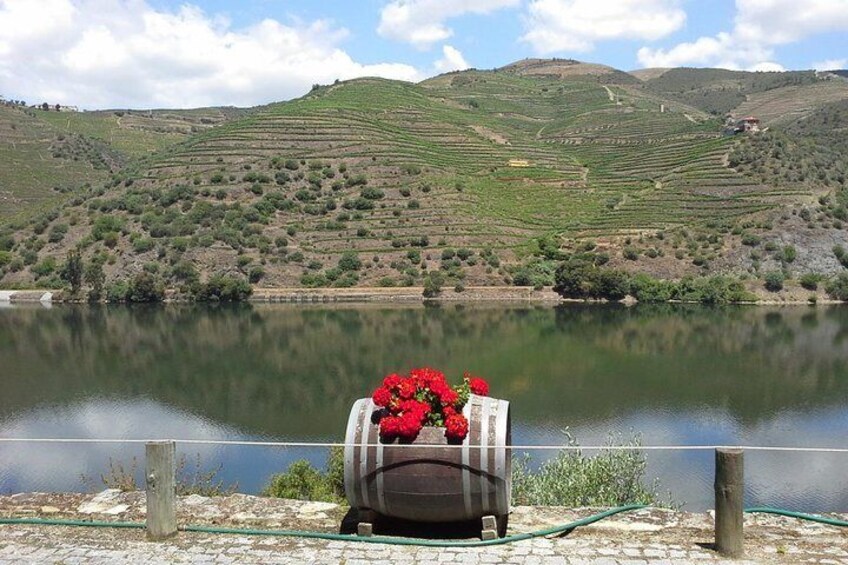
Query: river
{"type": "Point", "coordinates": [675, 374]}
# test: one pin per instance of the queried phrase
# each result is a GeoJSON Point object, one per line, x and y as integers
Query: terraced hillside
{"type": "Point", "coordinates": [379, 182]}
{"type": "Point", "coordinates": [47, 155]}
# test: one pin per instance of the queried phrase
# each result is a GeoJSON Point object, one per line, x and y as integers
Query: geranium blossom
{"type": "Point", "coordinates": [424, 398]}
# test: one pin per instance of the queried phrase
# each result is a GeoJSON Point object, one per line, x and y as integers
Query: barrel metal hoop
{"type": "Point", "coordinates": [503, 494]}
{"type": "Point", "coordinates": [378, 469]}
{"type": "Point", "coordinates": [350, 452]}
{"type": "Point", "coordinates": [363, 452]}
{"type": "Point", "coordinates": [484, 454]}
{"type": "Point", "coordinates": [466, 463]}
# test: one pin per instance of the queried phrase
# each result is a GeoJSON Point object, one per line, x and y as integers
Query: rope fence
{"type": "Point", "coordinates": [533, 447]}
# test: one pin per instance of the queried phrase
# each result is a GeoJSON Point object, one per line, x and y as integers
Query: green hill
{"type": "Point", "coordinates": [467, 173]}
{"type": "Point", "coordinates": [50, 154]}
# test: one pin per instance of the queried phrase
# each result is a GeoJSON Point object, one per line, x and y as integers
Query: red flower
{"type": "Point", "coordinates": [456, 427]}
{"type": "Point", "coordinates": [392, 381]}
{"type": "Point", "coordinates": [448, 396]}
{"type": "Point", "coordinates": [415, 407]}
{"type": "Point", "coordinates": [478, 386]}
{"type": "Point", "coordinates": [425, 377]}
{"type": "Point", "coordinates": [389, 427]}
{"type": "Point", "coordinates": [448, 411]}
{"type": "Point", "coordinates": [382, 396]}
{"type": "Point", "coordinates": [409, 427]}
{"type": "Point", "coordinates": [407, 389]}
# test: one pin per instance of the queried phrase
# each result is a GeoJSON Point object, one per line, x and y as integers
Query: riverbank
{"type": "Point", "coordinates": [643, 536]}
{"type": "Point", "coordinates": [412, 294]}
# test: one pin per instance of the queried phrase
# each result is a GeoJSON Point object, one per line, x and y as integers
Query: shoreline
{"type": "Point", "coordinates": [405, 295]}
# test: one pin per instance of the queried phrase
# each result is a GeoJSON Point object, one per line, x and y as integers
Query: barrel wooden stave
{"type": "Point", "coordinates": [431, 484]}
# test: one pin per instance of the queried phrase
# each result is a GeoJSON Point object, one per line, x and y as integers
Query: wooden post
{"type": "Point", "coordinates": [729, 486]}
{"type": "Point", "coordinates": [161, 490]}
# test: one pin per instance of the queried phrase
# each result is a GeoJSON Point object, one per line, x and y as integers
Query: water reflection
{"type": "Point", "coordinates": [677, 374]}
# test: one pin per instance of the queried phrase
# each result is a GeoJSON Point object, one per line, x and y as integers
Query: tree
{"type": "Point", "coordinates": [573, 278]}
{"type": "Point", "coordinates": [350, 261]}
{"type": "Point", "coordinates": [145, 287]}
{"type": "Point", "coordinates": [774, 281]}
{"type": "Point", "coordinates": [95, 278]}
{"type": "Point", "coordinates": [433, 284]}
{"type": "Point", "coordinates": [45, 106]}
{"type": "Point", "coordinates": [72, 271]}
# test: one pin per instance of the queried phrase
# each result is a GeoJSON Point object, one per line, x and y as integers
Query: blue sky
{"type": "Point", "coordinates": [144, 53]}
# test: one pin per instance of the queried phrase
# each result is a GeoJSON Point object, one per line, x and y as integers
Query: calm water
{"type": "Point", "coordinates": [676, 374]}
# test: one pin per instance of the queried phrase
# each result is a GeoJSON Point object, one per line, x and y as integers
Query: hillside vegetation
{"type": "Point", "coordinates": [467, 178]}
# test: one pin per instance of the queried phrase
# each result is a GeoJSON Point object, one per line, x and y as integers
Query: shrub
{"type": "Point", "coordinates": [810, 281]}
{"type": "Point", "coordinates": [841, 255]}
{"type": "Point", "coordinates": [118, 291]}
{"type": "Point", "coordinates": [630, 253]}
{"type": "Point", "coordinates": [433, 284]}
{"type": "Point", "coordinates": [356, 180]}
{"type": "Point", "coordinates": [372, 193]}
{"type": "Point", "coordinates": [223, 288]}
{"type": "Point", "coordinates": [837, 287]}
{"type": "Point", "coordinates": [143, 244]}
{"type": "Point", "coordinates": [611, 284]}
{"type": "Point", "coordinates": [105, 225]}
{"type": "Point", "coordinates": [255, 274]}
{"type": "Point", "coordinates": [611, 478]}
{"type": "Point", "coordinates": [645, 288]}
{"type": "Point", "coordinates": [146, 287]}
{"type": "Point", "coordinates": [750, 239]}
{"type": "Point", "coordinates": [774, 281]}
{"type": "Point", "coordinates": [57, 233]}
{"type": "Point", "coordinates": [302, 481]}
{"type": "Point", "coordinates": [789, 253]}
{"type": "Point", "coordinates": [350, 261]}
{"type": "Point", "coordinates": [45, 267]}
{"type": "Point", "coordinates": [711, 290]}
{"type": "Point", "coordinates": [573, 279]}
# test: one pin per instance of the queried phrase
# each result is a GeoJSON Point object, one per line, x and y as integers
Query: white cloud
{"type": "Point", "coordinates": [422, 22]}
{"type": "Point", "coordinates": [759, 26]}
{"type": "Point", "coordinates": [124, 53]}
{"type": "Point", "coordinates": [452, 60]}
{"type": "Point", "coordinates": [768, 67]}
{"type": "Point", "coordinates": [831, 65]}
{"type": "Point", "coordinates": [575, 25]}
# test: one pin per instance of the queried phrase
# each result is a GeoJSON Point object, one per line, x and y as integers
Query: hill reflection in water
{"type": "Point", "coordinates": [676, 374]}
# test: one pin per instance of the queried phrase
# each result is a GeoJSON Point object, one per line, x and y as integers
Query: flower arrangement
{"type": "Point", "coordinates": [424, 398]}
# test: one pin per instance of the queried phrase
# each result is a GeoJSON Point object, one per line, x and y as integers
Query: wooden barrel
{"type": "Point", "coordinates": [431, 484]}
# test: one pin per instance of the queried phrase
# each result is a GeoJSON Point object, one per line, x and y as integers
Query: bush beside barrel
{"type": "Point", "coordinates": [435, 482]}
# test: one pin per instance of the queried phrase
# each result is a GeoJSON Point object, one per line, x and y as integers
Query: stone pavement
{"type": "Point", "coordinates": [649, 536]}
{"type": "Point", "coordinates": [61, 545]}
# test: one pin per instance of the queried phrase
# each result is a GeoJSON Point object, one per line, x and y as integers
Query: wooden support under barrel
{"type": "Point", "coordinates": [490, 528]}
{"type": "Point", "coordinates": [365, 525]}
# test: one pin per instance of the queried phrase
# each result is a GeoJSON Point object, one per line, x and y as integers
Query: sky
{"type": "Point", "coordinates": [180, 54]}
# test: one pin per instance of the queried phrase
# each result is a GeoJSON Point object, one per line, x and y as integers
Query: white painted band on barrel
{"type": "Point", "coordinates": [484, 453]}
{"type": "Point", "coordinates": [466, 473]}
{"type": "Point", "coordinates": [378, 469]}
{"type": "Point", "coordinates": [503, 490]}
{"type": "Point", "coordinates": [365, 422]}
{"type": "Point", "coordinates": [349, 452]}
